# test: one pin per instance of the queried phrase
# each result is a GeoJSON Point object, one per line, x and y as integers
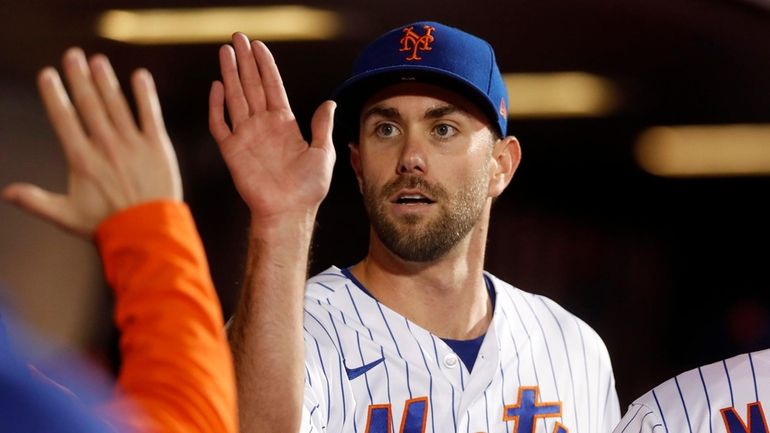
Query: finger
{"type": "Point", "coordinates": [112, 95]}
{"type": "Point", "coordinates": [89, 105]}
{"type": "Point", "coordinates": [44, 204]}
{"type": "Point", "coordinates": [217, 125]}
{"type": "Point", "coordinates": [237, 106]}
{"type": "Point", "coordinates": [275, 93]}
{"type": "Point", "coordinates": [322, 124]}
{"type": "Point", "coordinates": [251, 82]}
{"type": "Point", "coordinates": [62, 115]}
{"type": "Point", "coordinates": [147, 103]}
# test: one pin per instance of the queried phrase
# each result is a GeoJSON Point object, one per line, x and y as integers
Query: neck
{"type": "Point", "coordinates": [447, 296]}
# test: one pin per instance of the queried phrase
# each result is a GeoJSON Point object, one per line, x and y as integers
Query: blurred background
{"type": "Point", "coordinates": [640, 203]}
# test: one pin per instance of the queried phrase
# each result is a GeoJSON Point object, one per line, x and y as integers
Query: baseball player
{"type": "Point", "coordinates": [415, 337]}
{"type": "Point", "coordinates": [723, 397]}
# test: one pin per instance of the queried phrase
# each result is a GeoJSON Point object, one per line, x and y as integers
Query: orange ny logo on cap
{"type": "Point", "coordinates": [413, 42]}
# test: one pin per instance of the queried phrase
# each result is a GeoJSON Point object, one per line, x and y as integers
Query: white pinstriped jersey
{"type": "Point", "coordinates": [723, 397]}
{"type": "Point", "coordinates": [370, 370]}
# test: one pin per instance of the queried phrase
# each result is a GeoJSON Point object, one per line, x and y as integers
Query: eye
{"type": "Point", "coordinates": [444, 130]}
{"type": "Point", "coordinates": [386, 130]}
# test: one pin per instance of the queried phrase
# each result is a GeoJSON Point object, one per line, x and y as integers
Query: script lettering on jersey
{"type": "Point", "coordinates": [528, 409]}
{"type": "Point", "coordinates": [756, 421]}
{"type": "Point", "coordinates": [411, 41]}
{"type": "Point", "coordinates": [413, 420]}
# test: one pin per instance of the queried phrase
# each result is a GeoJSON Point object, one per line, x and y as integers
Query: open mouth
{"type": "Point", "coordinates": [413, 199]}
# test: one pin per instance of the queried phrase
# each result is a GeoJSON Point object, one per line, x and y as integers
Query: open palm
{"type": "Point", "coordinates": [274, 169]}
{"type": "Point", "coordinates": [114, 161]}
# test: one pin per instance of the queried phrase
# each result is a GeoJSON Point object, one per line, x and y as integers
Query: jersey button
{"type": "Point", "coordinates": [451, 360]}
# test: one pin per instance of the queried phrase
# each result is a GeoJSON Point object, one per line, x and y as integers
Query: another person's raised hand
{"type": "Point", "coordinates": [276, 172]}
{"type": "Point", "coordinates": [114, 163]}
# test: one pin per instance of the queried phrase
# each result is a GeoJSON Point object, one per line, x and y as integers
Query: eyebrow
{"type": "Point", "coordinates": [388, 113]}
{"type": "Point", "coordinates": [444, 110]}
{"type": "Point", "coordinates": [431, 113]}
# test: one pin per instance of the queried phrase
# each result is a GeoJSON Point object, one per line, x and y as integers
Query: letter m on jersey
{"type": "Point", "coordinates": [757, 423]}
{"type": "Point", "coordinates": [413, 421]}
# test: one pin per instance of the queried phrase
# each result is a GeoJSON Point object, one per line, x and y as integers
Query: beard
{"type": "Point", "coordinates": [410, 237]}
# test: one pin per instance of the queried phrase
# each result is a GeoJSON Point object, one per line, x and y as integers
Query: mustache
{"type": "Point", "coordinates": [434, 190]}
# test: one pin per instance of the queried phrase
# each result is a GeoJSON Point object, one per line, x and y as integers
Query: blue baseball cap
{"type": "Point", "coordinates": [429, 52]}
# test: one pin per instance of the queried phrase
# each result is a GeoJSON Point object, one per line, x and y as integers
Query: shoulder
{"type": "Point", "coordinates": [641, 417]}
{"type": "Point", "coordinates": [326, 284]}
{"type": "Point", "coordinates": [705, 392]}
{"type": "Point", "coordinates": [333, 303]}
{"type": "Point", "coordinates": [538, 311]}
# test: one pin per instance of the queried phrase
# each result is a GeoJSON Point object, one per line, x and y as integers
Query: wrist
{"type": "Point", "coordinates": [294, 226]}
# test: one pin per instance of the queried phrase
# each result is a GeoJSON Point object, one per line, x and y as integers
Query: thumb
{"type": "Point", "coordinates": [322, 124]}
{"type": "Point", "coordinates": [51, 207]}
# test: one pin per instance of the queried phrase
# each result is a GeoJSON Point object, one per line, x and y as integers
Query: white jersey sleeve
{"type": "Point", "coordinates": [723, 397]}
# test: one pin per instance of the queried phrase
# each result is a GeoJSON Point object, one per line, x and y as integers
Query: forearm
{"type": "Point", "coordinates": [266, 330]}
{"type": "Point", "coordinates": [176, 365]}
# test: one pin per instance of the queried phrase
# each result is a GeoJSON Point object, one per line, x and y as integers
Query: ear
{"type": "Point", "coordinates": [355, 162]}
{"type": "Point", "coordinates": [506, 156]}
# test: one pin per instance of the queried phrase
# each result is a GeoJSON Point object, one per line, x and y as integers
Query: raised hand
{"type": "Point", "coordinates": [276, 172]}
{"type": "Point", "coordinates": [113, 162]}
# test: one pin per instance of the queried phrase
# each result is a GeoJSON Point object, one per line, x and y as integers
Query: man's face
{"type": "Point", "coordinates": [423, 165]}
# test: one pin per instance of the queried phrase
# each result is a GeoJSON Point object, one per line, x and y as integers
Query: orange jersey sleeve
{"type": "Point", "coordinates": [176, 373]}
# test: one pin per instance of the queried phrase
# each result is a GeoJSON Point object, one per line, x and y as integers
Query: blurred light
{"type": "Point", "coordinates": [692, 151]}
{"type": "Point", "coordinates": [560, 94]}
{"type": "Point", "coordinates": [213, 25]}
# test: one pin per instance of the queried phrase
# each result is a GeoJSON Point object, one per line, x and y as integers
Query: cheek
{"type": "Point", "coordinates": [374, 166]}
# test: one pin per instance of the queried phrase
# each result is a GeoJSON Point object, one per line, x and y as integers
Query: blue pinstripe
{"type": "Point", "coordinates": [454, 417]}
{"type": "Point", "coordinates": [518, 363]}
{"type": "Point", "coordinates": [526, 331]}
{"type": "Point", "coordinates": [706, 393]}
{"type": "Point", "coordinates": [754, 378]}
{"type": "Point", "coordinates": [730, 384]}
{"type": "Point", "coordinates": [569, 361]}
{"type": "Point", "coordinates": [430, 376]}
{"type": "Point", "coordinates": [531, 352]}
{"type": "Point", "coordinates": [684, 405]}
{"type": "Point", "coordinates": [632, 419]}
{"type": "Point", "coordinates": [547, 351]}
{"type": "Point", "coordinates": [360, 351]}
{"type": "Point", "coordinates": [435, 351]}
{"type": "Point", "coordinates": [340, 359]}
{"type": "Point", "coordinates": [398, 350]}
{"type": "Point", "coordinates": [654, 426]}
{"type": "Point", "coordinates": [660, 411]}
{"type": "Point", "coordinates": [387, 378]}
{"type": "Point", "coordinates": [326, 287]}
{"type": "Point", "coordinates": [585, 367]}
{"type": "Point", "coordinates": [502, 394]}
{"type": "Point", "coordinates": [343, 357]}
{"type": "Point", "coordinates": [486, 409]}
{"type": "Point", "coordinates": [323, 369]}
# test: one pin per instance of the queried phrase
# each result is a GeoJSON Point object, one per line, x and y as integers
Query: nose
{"type": "Point", "coordinates": [413, 158]}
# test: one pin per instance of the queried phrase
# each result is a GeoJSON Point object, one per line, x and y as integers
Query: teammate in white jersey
{"type": "Point", "coordinates": [415, 337]}
{"type": "Point", "coordinates": [723, 397]}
